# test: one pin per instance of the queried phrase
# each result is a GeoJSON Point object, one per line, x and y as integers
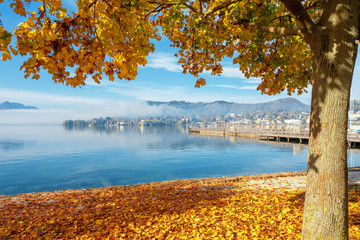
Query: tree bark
{"type": "Point", "coordinates": [333, 52]}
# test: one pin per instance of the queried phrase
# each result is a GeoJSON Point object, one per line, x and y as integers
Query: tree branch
{"type": "Point", "coordinates": [91, 4]}
{"type": "Point", "coordinates": [311, 5]}
{"type": "Point", "coordinates": [161, 6]}
{"type": "Point", "coordinates": [278, 30]}
{"type": "Point", "coordinates": [222, 6]}
{"type": "Point", "coordinates": [281, 30]}
{"type": "Point", "coordinates": [191, 8]}
{"type": "Point", "coordinates": [301, 17]}
{"type": "Point", "coordinates": [307, 6]}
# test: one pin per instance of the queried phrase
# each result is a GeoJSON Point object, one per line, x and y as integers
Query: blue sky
{"type": "Point", "coordinates": [160, 80]}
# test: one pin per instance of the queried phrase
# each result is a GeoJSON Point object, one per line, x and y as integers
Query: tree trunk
{"type": "Point", "coordinates": [334, 52]}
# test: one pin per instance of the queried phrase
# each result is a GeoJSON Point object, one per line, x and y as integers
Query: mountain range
{"type": "Point", "coordinates": [208, 108]}
{"type": "Point", "coordinates": [223, 107]}
{"type": "Point", "coordinates": [13, 105]}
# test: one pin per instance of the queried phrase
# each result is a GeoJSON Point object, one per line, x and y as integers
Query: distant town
{"type": "Point", "coordinates": [288, 111]}
{"type": "Point", "coordinates": [231, 119]}
{"type": "Point", "coordinates": [261, 117]}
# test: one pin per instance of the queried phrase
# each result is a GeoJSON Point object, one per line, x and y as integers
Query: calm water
{"type": "Point", "coordinates": [49, 158]}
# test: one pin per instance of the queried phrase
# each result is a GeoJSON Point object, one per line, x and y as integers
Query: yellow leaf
{"type": "Point", "coordinates": [6, 55]}
{"type": "Point", "coordinates": [14, 51]}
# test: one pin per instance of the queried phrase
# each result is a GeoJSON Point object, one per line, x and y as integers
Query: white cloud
{"type": "Point", "coordinates": [103, 83]}
{"type": "Point", "coordinates": [90, 82]}
{"type": "Point", "coordinates": [44, 100]}
{"type": "Point", "coordinates": [56, 108]}
{"type": "Point", "coordinates": [235, 87]}
{"type": "Point", "coordinates": [253, 80]}
{"type": "Point", "coordinates": [232, 72]}
{"type": "Point", "coordinates": [207, 93]}
{"type": "Point", "coordinates": [57, 116]}
{"type": "Point", "coordinates": [88, 108]}
{"type": "Point", "coordinates": [165, 93]}
{"type": "Point", "coordinates": [164, 61]}
{"type": "Point", "coordinates": [33, 116]}
{"type": "Point", "coordinates": [169, 63]}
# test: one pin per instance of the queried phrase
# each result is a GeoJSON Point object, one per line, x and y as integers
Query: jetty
{"type": "Point", "coordinates": [295, 135]}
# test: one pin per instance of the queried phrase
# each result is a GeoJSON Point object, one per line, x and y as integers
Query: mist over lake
{"type": "Point", "coordinates": [50, 158]}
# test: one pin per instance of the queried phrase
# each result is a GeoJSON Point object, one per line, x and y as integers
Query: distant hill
{"type": "Point", "coordinates": [13, 105]}
{"type": "Point", "coordinates": [223, 107]}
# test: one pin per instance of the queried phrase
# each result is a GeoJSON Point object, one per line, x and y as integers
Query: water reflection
{"type": "Point", "coordinates": [177, 138]}
{"type": "Point", "coordinates": [353, 157]}
{"type": "Point", "coordinates": [297, 148]}
{"type": "Point", "coordinates": [12, 145]}
{"type": "Point", "coordinates": [49, 158]}
{"type": "Point", "coordinates": [110, 129]}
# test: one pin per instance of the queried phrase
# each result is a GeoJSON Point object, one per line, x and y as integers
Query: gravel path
{"type": "Point", "coordinates": [297, 181]}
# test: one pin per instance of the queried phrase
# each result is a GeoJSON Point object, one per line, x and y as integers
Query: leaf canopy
{"type": "Point", "coordinates": [112, 38]}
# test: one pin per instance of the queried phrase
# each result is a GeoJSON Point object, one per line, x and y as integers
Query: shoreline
{"type": "Point", "coordinates": [354, 179]}
{"type": "Point", "coordinates": [242, 207]}
{"type": "Point", "coordinates": [223, 179]}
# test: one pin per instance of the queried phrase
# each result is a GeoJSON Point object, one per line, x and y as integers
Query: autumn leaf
{"type": "Point", "coordinates": [185, 209]}
{"type": "Point", "coordinates": [5, 55]}
{"type": "Point", "coordinates": [200, 82]}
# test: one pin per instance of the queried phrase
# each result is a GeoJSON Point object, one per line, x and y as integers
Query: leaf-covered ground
{"type": "Point", "coordinates": [170, 210]}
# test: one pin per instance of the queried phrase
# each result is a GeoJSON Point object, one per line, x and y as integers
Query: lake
{"type": "Point", "coordinates": [50, 158]}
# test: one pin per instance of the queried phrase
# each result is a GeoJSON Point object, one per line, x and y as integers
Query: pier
{"type": "Point", "coordinates": [280, 135]}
